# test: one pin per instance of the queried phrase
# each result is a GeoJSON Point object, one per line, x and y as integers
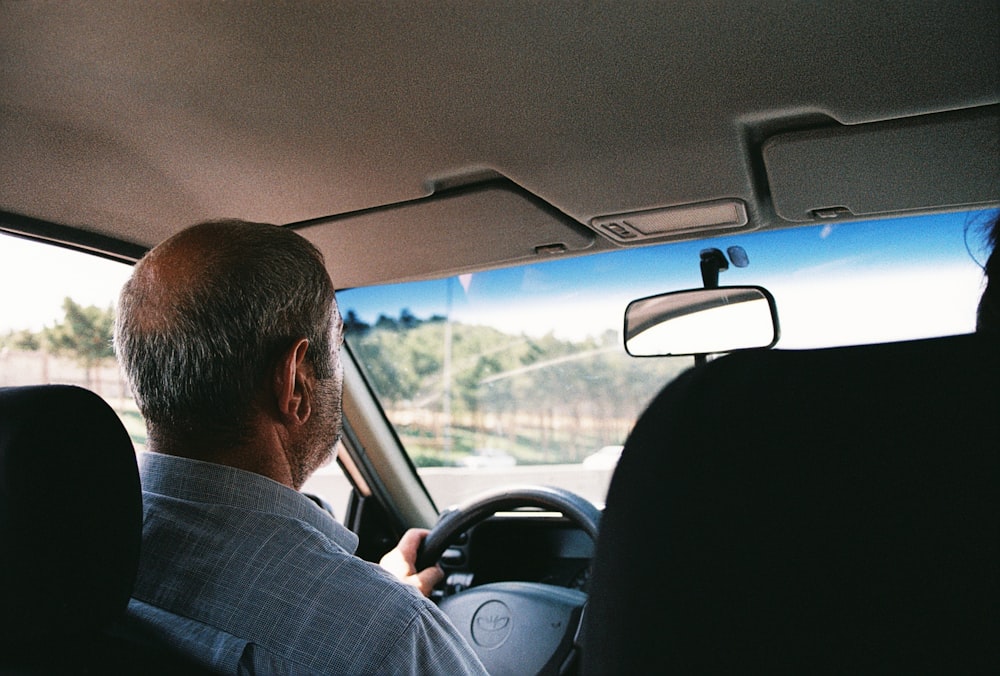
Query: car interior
{"type": "Point", "coordinates": [660, 314]}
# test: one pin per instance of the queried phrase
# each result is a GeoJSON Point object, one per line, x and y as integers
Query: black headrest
{"type": "Point", "coordinates": [822, 511]}
{"type": "Point", "coordinates": [70, 514]}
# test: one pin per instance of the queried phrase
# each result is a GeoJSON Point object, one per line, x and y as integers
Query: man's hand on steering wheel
{"type": "Point", "coordinates": [401, 562]}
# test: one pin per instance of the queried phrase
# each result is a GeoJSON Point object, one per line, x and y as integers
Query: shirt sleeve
{"type": "Point", "coordinates": [431, 646]}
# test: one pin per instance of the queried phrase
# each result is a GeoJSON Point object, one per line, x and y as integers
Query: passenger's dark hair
{"type": "Point", "coordinates": [197, 365]}
{"type": "Point", "coordinates": [988, 314]}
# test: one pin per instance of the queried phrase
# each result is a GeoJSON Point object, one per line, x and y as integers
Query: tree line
{"type": "Point", "coordinates": [542, 399]}
{"type": "Point", "coordinates": [84, 334]}
{"type": "Point", "coordinates": [451, 388]}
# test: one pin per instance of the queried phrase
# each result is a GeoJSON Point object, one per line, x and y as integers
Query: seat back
{"type": "Point", "coordinates": [70, 526]}
{"type": "Point", "coordinates": [826, 511]}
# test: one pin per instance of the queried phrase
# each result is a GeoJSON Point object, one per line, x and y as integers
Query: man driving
{"type": "Point", "coordinates": [229, 335]}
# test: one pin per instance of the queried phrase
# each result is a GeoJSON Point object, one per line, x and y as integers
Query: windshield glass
{"type": "Point", "coordinates": [519, 375]}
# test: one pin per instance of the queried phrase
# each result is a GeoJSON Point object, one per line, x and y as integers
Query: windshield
{"type": "Point", "coordinates": [519, 375]}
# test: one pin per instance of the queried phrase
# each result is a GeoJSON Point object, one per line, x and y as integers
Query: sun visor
{"type": "Point", "coordinates": [921, 163]}
{"type": "Point", "coordinates": [489, 223]}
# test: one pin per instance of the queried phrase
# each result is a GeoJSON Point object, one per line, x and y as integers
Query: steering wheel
{"type": "Point", "coordinates": [514, 627]}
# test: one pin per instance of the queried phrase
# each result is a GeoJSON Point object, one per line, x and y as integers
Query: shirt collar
{"type": "Point", "coordinates": [198, 481]}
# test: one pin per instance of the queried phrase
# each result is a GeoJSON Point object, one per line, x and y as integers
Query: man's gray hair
{"type": "Point", "coordinates": [197, 354]}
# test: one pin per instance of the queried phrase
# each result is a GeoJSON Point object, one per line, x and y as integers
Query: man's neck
{"type": "Point", "coordinates": [263, 455]}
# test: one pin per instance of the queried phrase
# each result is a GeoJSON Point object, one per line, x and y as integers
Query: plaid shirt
{"type": "Point", "coordinates": [246, 575]}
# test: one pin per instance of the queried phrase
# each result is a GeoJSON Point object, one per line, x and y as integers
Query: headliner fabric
{"type": "Point", "coordinates": [70, 515]}
{"type": "Point", "coordinates": [830, 511]}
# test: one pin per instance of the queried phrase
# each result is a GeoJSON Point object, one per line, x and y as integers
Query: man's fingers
{"type": "Point", "coordinates": [429, 578]}
{"type": "Point", "coordinates": [401, 561]}
{"type": "Point", "coordinates": [409, 544]}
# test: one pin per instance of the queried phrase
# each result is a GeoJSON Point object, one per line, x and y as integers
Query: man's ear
{"type": "Point", "coordinates": [293, 384]}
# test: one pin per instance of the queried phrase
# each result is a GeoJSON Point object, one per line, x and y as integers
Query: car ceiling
{"type": "Point", "coordinates": [130, 120]}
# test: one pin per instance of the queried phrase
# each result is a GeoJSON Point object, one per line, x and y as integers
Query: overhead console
{"type": "Point", "coordinates": [868, 170]}
{"type": "Point", "coordinates": [481, 219]}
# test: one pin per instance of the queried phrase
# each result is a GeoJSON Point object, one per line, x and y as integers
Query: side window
{"type": "Point", "coordinates": [56, 318]}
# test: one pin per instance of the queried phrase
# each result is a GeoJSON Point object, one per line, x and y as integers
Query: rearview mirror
{"type": "Point", "coordinates": [701, 321]}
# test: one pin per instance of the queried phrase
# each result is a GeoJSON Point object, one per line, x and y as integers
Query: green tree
{"type": "Point", "coordinates": [21, 340]}
{"type": "Point", "coordinates": [85, 333]}
{"type": "Point", "coordinates": [543, 398]}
